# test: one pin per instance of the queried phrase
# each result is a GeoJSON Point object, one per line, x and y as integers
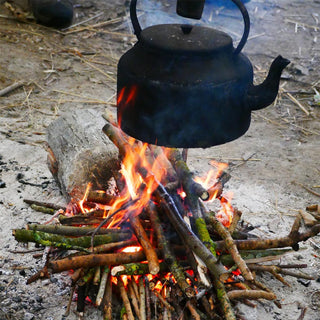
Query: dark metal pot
{"type": "Point", "coordinates": [187, 86]}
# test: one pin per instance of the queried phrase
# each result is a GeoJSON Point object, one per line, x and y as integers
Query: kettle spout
{"type": "Point", "coordinates": [264, 94]}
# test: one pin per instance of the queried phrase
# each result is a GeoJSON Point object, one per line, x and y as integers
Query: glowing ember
{"type": "Point", "coordinates": [131, 249]}
{"type": "Point", "coordinates": [182, 194]}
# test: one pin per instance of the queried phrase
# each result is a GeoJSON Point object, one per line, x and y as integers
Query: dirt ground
{"type": "Point", "coordinates": [61, 71]}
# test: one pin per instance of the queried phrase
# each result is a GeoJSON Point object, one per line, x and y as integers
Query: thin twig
{"type": "Point", "coordinates": [306, 188]}
{"type": "Point", "coordinates": [294, 100]}
{"type": "Point", "coordinates": [11, 88]}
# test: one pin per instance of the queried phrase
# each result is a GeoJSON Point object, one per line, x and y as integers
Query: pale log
{"type": "Point", "coordinates": [79, 152]}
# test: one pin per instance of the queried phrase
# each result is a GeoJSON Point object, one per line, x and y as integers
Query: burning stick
{"type": "Point", "coordinates": [159, 154]}
{"type": "Point", "coordinates": [103, 248]}
{"type": "Point", "coordinates": [216, 190]}
{"type": "Point", "coordinates": [134, 269]}
{"type": "Point", "coordinates": [235, 220]}
{"type": "Point", "coordinates": [185, 175]}
{"type": "Point", "coordinates": [142, 237]}
{"type": "Point", "coordinates": [100, 197]}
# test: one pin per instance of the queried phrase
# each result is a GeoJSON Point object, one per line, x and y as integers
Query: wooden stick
{"type": "Point", "coordinates": [11, 88]}
{"type": "Point", "coordinates": [93, 260]}
{"type": "Point", "coordinates": [251, 294]}
{"type": "Point", "coordinates": [66, 314]}
{"type": "Point", "coordinates": [142, 237]}
{"type": "Point", "coordinates": [216, 190]}
{"type": "Point", "coordinates": [107, 300]}
{"type": "Point", "coordinates": [135, 269]}
{"type": "Point", "coordinates": [97, 275]}
{"type": "Point", "coordinates": [59, 241]}
{"type": "Point", "coordinates": [231, 247]}
{"type": "Point", "coordinates": [103, 248]}
{"type": "Point", "coordinates": [133, 299]}
{"type": "Point", "coordinates": [71, 231]}
{"type": "Point", "coordinates": [142, 296]}
{"type": "Point", "coordinates": [79, 220]}
{"type": "Point", "coordinates": [195, 315]}
{"type": "Point", "coordinates": [135, 289]}
{"type": "Point", "coordinates": [294, 100]}
{"type": "Point", "coordinates": [163, 301]}
{"type": "Point", "coordinates": [185, 175]}
{"type": "Point", "coordinates": [100, 197]}
{"type": "Point", "coordinates": [291, 240]}
{"type": "Point", "coordinates": [224, 300]}
{"type": "Point", "coordinates": [102, 287]}
{"type": "Point", "coordinates": [45, 204]}
{"type": "Point", "coordinates": [148, 299]}
{"type": "Point", "coordinates": [235, 220]}
{"type": "Point", "coordinates": [42, 209]}
{"type": "Point", "coordinates": [125, 299]}
{"type": "Point", "coordinates": [278, 269]}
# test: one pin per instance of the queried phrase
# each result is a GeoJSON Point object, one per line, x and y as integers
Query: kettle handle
{"type": "Point", "coordinates": [238, 3]}
{"type": "Point", "coordinates": [134, 18]}
{"type": "Point", "coordinates": [246, 20]}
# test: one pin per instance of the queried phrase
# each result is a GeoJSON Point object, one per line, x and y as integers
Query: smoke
{"type": "Point", "coordinates": [219, 14]}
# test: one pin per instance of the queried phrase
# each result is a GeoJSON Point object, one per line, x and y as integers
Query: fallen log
{"type": "Point", "coordinates": [79, 153]}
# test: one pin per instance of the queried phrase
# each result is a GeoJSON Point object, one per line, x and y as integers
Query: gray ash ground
{"type": "Point", "coordinates": [78, 70]}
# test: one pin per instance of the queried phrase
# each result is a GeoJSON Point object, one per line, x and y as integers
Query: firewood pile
{"type": "Point", "coordinates": [148, 247]}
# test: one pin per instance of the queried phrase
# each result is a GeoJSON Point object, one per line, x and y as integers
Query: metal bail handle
{"type": "Point", "coordinates": [238, 3]}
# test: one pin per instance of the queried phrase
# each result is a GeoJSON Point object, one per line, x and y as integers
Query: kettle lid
{"type": "Point", "coordinates": [186, 39]}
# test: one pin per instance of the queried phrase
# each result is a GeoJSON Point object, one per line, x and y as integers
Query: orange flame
{"type": "Point", "coordinates": [81, 202]}
{"type": "Point", "coordinates": [140, 177]}
{"type": "Point", "coordinates": [211, 177]}
{"type": "Point", "coordinates": [225, 215]}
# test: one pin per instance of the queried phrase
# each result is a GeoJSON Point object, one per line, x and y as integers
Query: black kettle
{"type": "Point", "coordinates": [186, 86]}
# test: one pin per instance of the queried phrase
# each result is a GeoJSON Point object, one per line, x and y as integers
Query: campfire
{"type": "Point", "coordinates": [157, 242]}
